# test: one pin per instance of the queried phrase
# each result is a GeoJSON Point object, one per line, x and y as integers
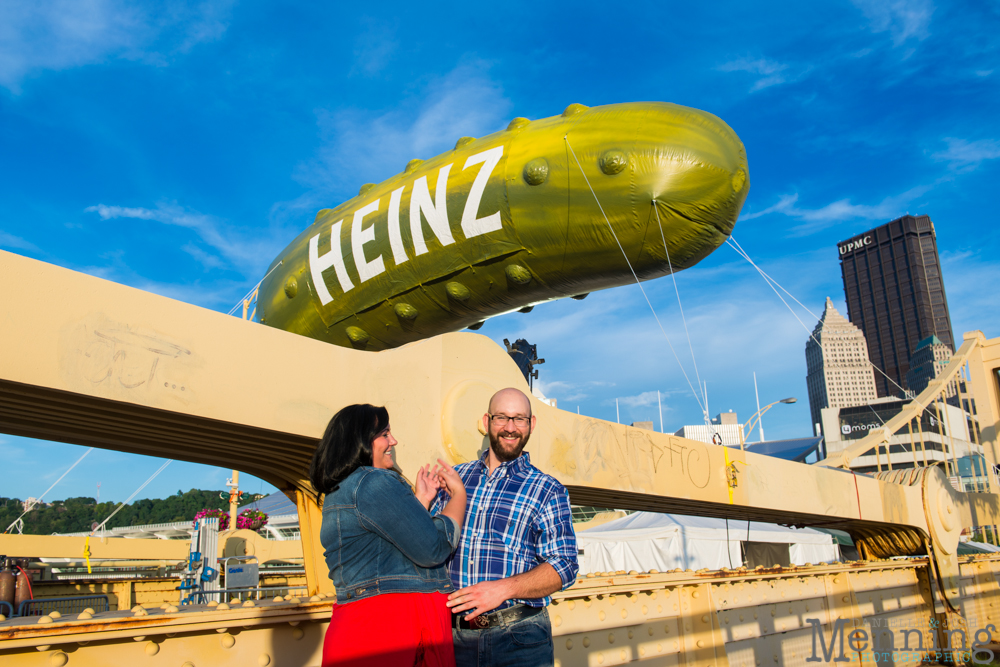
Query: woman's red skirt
{"type": "Point", "coordinates": [392, 629]}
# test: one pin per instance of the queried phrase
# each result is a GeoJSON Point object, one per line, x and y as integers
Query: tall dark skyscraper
{"type": "Point", "coordinates": [895, 294]}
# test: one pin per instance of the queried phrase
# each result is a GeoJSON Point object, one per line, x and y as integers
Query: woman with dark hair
{"type": "Point", "coordinates": [385, 551]}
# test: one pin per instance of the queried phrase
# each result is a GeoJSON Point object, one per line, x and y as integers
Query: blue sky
{"type": "Point", "coordinates": [179, 150]}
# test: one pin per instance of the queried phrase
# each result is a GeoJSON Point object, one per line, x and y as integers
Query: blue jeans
{"type": "Point", "coordinates": [524, 643]}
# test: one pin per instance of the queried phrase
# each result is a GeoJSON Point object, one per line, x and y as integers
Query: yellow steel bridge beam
{"type": "Point", "coordinates": [91, 362]}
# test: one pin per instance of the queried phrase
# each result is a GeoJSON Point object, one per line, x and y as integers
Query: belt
{"type": "Point", "coordinates": [495, 618]}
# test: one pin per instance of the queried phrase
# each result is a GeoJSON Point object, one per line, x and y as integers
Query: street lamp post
{"type": "Point", "coordinates": [757, 415]}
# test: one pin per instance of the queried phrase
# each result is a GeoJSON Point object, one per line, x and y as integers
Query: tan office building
{"type": "Point", "coordinates": [839, 374]}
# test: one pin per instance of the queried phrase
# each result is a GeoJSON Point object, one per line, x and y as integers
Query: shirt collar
{"type": "Point", "coordinates": [518, 465]}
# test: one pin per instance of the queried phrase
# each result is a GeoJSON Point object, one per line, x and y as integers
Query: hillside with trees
{"type": "Point", "coordinates": [75, 515]}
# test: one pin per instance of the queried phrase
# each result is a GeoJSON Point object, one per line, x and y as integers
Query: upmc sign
{"type": "Point", "coordinates": [856, 244]}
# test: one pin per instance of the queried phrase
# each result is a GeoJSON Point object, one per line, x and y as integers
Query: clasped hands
{"type": "Point", "coordinates": [431, 480]}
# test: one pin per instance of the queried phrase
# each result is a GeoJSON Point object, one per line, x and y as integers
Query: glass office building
{"type": "Point", "coordinates": [895, 294]}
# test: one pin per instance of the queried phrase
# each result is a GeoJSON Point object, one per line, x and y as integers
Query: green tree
{"type": "Point", "coordinates": [75, 515]}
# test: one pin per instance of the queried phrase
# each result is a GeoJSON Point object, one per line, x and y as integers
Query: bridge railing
{"type": "Point", "coordinates": [244, 594]}
{"type": "Point", "coordinates": [71, 605]}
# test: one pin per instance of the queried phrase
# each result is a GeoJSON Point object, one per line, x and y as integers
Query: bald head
{"type": "Point", "coordinates": [510, 399]}
{"type": "Point", "coordinates": [509, 424]}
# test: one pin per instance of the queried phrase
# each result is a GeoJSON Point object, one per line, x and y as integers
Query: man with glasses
{"type": "Point", "coordinates": [517, 546]}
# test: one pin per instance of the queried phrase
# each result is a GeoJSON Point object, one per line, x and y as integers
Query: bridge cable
{"type": "Point", "coordinates": [28, 507]}
{"type": "Point", "coordinates": [637, 282]}
{"type": "Point", "coordinates": [134, 494]}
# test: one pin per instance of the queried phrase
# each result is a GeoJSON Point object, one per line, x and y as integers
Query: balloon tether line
{"type": "Point", "coordinates": [673, 277]}
{"type": "Point", "coordinates": [634, 275]}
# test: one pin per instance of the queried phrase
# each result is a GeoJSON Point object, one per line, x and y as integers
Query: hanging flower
{"type": "Point", "coordinates": [251, 519]}
{"type": "Point", "coordinates": [221, 515]}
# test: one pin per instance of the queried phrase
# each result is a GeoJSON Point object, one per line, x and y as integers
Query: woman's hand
{"type": "Point", "coordinates": [428, 483]}
{"type": "Point", "coordinates": [452, 483]}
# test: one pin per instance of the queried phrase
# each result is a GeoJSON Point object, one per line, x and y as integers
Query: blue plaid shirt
{"type": "Point", "coordinates": [516, 519]}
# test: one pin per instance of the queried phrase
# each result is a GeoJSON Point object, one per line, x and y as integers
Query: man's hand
{"type": "Point", "coordinates": [480, 598]}
{"type": "Point", "coordinates": [486, 596]}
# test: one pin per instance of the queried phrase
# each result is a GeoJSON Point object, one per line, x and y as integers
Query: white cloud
{"type": "Point", "coordinates": [965, 155]}
{"type": "Point", "coordinates": [111, 212]}
{"type": "Point", "coordinates": [373, 47]}
{"type": "Point", "coordinates": [842, 210]}
{"type": "Point", "coordinates": [208, 260]}
{"type": "Point", "coordinates": [644, 400]}
{"type": "Point", "coordinates": [902, 19]}
{"type": "Point", "coordinates": [768, 72]}
{"type": "Point", "coordinates": [10, 241]}
{"type": "Point", "coordinates": [569, 391]}
{"type": "Point", "coordinates": [359, 146]}
{"type": "Point", "coordinates": [216, 294]}
{"type": "Point", "coordinates": [786, 203]}
{"type": "Point", "coordinates": [549, 389]}
{"type": "Point", "coordinates": [247, 256]}
{"type": "Point", "coordinates": [10, 452]}
{"type": "Point", "coordinates": [965, 273]}
{"type": "Point", "coordinates": [38, 35]}
{"type": "Point", "coordinates": [223, 295]}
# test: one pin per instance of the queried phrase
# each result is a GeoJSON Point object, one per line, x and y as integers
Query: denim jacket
{"type": "Point", "coordinates": [378, 538]}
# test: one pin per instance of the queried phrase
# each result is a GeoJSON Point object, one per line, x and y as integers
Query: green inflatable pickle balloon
{"type": "Point", "coordinates": [511, 220]}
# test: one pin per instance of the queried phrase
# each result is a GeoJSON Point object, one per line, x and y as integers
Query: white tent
{"type": "Point", "coordinates": [647, 541]}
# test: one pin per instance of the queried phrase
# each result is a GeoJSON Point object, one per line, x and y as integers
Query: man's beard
{"type": "Point", "coordinates": [504, 455]}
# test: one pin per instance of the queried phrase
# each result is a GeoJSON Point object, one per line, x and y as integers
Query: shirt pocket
{"type": "Point", "coordinates": [514, 531]}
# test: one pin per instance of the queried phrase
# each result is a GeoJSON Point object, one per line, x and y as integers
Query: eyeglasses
{"type": "Point", "coordinates": [501, 420]}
